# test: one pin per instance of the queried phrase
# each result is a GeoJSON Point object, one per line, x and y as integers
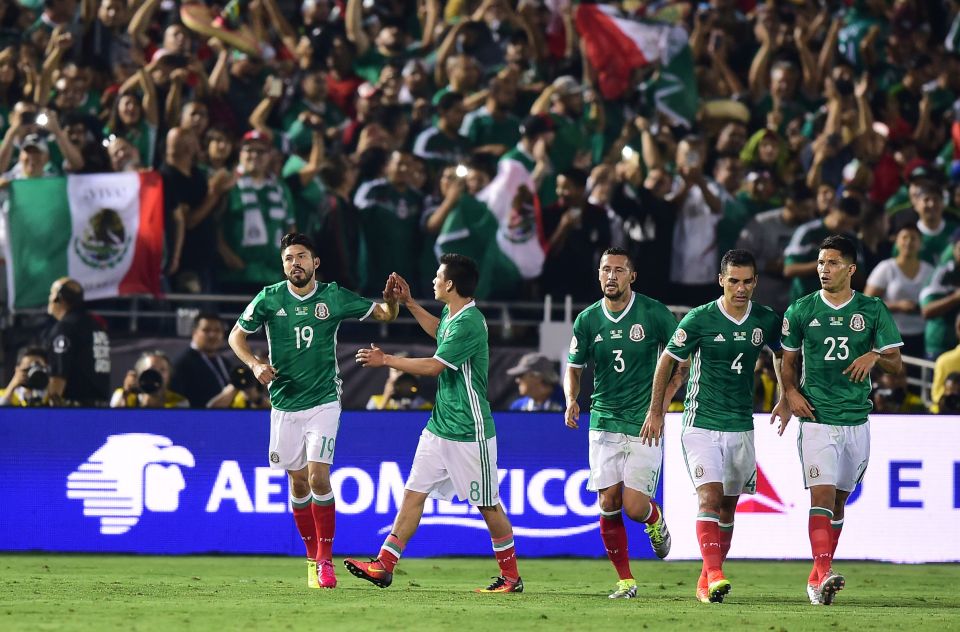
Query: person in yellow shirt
{"type": "Point", "coordinates": [148, 385]}
{"type": "Point", "coordinates": [28, 386]}
{"type": "Point", "coordinates": [947, 363]}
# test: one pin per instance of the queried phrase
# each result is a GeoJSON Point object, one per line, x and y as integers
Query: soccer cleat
{"type": "Point", "coordinates": [502, 585]}
{"type": "Point", "coordinates": [703, 592]}
{"type": "Point", "coordinates": [718, 589]}
{"type": "Point", "coordinates": [813, 592]}
{"type": "Point", "coordinates": [372, 571]}
{"type": "Point", "coordinates": [626, 589]}
{"type": "Point", "coordinates": [830, 585]}
{"type": "Point", "coordinates": [659, 537]}
{"type": "Point", "coordinates": [327, 578]}
{"type": "Point", "coordinates": [312, 574]}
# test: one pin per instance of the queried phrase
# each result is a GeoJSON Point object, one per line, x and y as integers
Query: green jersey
{"type": "Point", "coordinates": [482, 128]}
{"type": "Point", "coordinates": [302, 337]}
{"type": "Point", "coordinates": [462, 412]}
{"type": "Point", "coordinates": [256, 218]}
{"type": "Point", "coordinates": [723, 352]}
{"type": "Point", "coordinates": [391, 225]}
{"type": "Point", "coordinates": [440, 150]}
{"type": "Point", "coordinates": [939, 332]}
{"type": "Point", "coordinates": [831, 338]}
{"type": "Point", "coordinates": [624, 347]}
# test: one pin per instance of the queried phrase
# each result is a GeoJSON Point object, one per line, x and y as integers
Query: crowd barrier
{"type": "Point", "coordinates": [186, 482]}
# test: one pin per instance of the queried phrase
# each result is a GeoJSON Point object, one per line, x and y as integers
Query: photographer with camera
{"type": "Point", "coordinates": [243, 390]}
{"type": "Point", "coordinates": [30, 133]}
{"type": "Point", "coordinates": [148, 385]}
{"type": "Point", "coordinates": [28, 386]}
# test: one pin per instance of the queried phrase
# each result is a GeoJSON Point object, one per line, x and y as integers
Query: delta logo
{"type": "Point", "coordinates": [765, 500]}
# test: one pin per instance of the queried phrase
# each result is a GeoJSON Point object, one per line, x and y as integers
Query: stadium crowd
{"type": "Point", "coordinates": [377, 129]}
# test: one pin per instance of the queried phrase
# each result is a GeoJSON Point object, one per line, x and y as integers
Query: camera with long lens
{"type": "Point", "coordinates": [150, 382]}
{"type": "Point", "coordinates": [242, 378]}
{"type": "Point", "coordinates": [38, 376]}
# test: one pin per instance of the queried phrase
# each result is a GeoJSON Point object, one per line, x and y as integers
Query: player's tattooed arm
{"type": "Point", "coordinates": [652, 429]}
{"type": "Point", "coordinates": [571, 389]}
{"type": "Point", "coordinates": [798, 404]}
{"type": "Point", "coordinates": [678, 379]}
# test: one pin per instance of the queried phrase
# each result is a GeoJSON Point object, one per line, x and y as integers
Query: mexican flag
{"type": "Point", "coordinates": [104, 230]}
{"type": "Point", "coordinates": [501, 229]}
{"type": "Point", "coordinates": [618, 45]}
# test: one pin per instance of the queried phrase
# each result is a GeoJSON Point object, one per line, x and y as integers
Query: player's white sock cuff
{"type": "Point", "coordinates": [837, 524]}
{"type": "Point", "coordinates": [300, 503]}
{"type": "Point", "coordinates": [323, 499]}
{"type": "Point", "coordinates": [610, 514]}
{"type": "Point", "coordinates": [726, 525]}
{"type": "Point", "coordinates": [649, 513]}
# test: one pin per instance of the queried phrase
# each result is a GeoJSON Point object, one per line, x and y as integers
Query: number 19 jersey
{"type": "Point", "coordinates": [302, 337]}
{"type": "Point", "coordinates": [624, 348]}
{"type": "Point", "coordinates": [831, 338]}
{"type": "Point", "coordinates": [724, 352]}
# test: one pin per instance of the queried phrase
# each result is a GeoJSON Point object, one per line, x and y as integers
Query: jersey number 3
{"type": "Point", "coordinates": [618, 364]}
{"type": "Point", "coordinates": [304, 336]}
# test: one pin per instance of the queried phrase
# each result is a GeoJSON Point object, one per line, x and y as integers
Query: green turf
{"type": "Point", "coordinates": [73, 592]}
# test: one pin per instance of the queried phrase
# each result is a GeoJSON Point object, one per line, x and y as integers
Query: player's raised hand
{"type": "Point", "coordinates": [572, 414]}
{"type": "Point", "coordinates": [652, 430]}
{"type": "Point", "coordinates": [370, 358]}
{"type": "Point", "coordinates": [263, 372]}
{"type": "Point", "coordinates": [782, 412]}
{"type": "Point", "coordinates": [402, 289]}
{"type": "Point", "coordinates": [859, 369]}
{"type": "Point", "coordinates": [389, 290]}
{"type": "Point", "coordinates": [799, 404]}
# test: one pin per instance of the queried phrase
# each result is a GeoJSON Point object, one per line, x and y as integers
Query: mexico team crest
{"type": "Point", "coordinates": [679, 337]}
{"type": "Point", "coordinates": [785, 329]}
{"type": "Point", "coordinates": [321, 311]}
{"type": "Point", "coordinates": [636, 332]}
{"type": "Point", "coordinates": [757, 337]}
{"type": "Point", "coordinates": [857, 323]}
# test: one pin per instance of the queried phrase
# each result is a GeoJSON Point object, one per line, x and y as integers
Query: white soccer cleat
{"type": "Point", "coordinates": [813, 592]}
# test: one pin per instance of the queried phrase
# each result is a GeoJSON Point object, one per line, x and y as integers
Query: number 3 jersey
{"type": "Point", "coordinates": [302, 338]}
{"type": "Point", "coordinates": [831, 338]}
{"type": "Point", "coordinates": [624, 348]}
{"type": "Point", "coordinates": [723, 352]}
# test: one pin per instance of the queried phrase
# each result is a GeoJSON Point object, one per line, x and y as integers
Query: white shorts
{"type": "Point", "coordinates": [303, 435]}
{"type": "Point", "coordinates": [467, 469]}
{"type": "Point", "coordinates": [834, 455]}
{"type": "Point", "coordinates": [714, 456]}
{"type": "Point", "coordinates": [619, 458]}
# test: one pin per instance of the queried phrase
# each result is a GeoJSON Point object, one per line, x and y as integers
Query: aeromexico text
{"type": "Point", "coordinates": [551, 492]}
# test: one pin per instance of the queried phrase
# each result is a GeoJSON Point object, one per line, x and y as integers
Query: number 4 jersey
{"type": "Point", "coordinates": [302, 336]}
{"type": "Point", "coordinates": [831, 338]}
{"type": "Point", "coordinates": [624, 347]}
{"type": "Point", "coordinates": [723, 352]}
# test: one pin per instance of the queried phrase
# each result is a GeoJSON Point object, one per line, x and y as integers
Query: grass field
{"type": "Point", "coordinates": [73, 592]}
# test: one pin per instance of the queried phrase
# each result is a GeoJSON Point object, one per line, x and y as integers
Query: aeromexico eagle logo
{"type": "Point", "coordinates": [127, 474]}
{"type": "Point", "coordinates": [104, 241]}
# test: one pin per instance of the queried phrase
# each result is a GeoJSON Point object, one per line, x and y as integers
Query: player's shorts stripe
{"type": "Point", "coordinates": [800, 452]}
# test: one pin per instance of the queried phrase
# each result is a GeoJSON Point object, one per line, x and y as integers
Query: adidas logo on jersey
{"type": "Point", "coordinates": [814, 323]}
{"type": "Point", "coordinates": [719, 338]}
{"type": "Point", "coordinates": [599, 338]}
{"type": "Point", "coordinates": [281, 312]}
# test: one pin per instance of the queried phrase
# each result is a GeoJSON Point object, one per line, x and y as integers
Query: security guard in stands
{"type": "Point", "coordinates": [78, 349]}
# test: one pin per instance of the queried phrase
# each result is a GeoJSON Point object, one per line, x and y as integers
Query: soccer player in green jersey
{"type": "Point", "coordinates": [457, 452]}
{"type": "Point", "coordinates": [723, 340]}
{"type": "Point", "coordinates": [622, 335]}
{"type": "Point", "coordinates": [842, 336]}
{"type": "Point", "coordinates": [301, 317]}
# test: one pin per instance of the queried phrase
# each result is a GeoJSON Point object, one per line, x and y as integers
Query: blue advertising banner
{"type": "Point", "coordinates": [182, 482]}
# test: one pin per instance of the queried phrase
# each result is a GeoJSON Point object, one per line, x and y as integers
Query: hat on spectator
{"type": "Point", "coordinates": [255, 136]}
{"type": "Point", "coordinates": [566, 86]}
{"type": "Point", "coordinates": [536, 363]}
{"type": "Point", "coordinates": [536, 124]}
{"type": "Point", "coordinates": [34, 141]}
{"type": "Point", "coordinates": [919, 169]}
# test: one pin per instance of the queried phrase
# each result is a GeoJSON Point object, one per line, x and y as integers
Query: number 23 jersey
{"type": "Point", "coordinates": [831, 338]}
{"type": "Point", "coordinates": [624, 347]}
{"type": "Point", "coordinates": [302, 335]}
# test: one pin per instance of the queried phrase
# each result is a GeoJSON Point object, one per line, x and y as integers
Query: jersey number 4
{"type": "Point", "coordinates": [838, 345]}
{"type": "Point", "coordinates": [304, 336]}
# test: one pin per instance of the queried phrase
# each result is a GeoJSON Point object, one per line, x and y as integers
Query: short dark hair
{"type": "Point", "coordinates": [798, 191]}
{"type": "Point", "coordinates": [575, 176]}
{"type": "Point", "coordinates": [205, 316]}
{"type": "Point", "coordinates": [448, 100]}
{"type": "Point", "coordinates": [843, 244]}
{"type": "Point", "coordinates": [616, 251]}
{"type": "Point", "coordinates": [70, 294]}
{"type": "Point", "coordinates": [297, 239]}
{"type": "Point", "coordinates": [737, 257]}
{"type": "Point", "coordinates": [30, 351]}
{"type": "Point", "coordinates": [462, 271]}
